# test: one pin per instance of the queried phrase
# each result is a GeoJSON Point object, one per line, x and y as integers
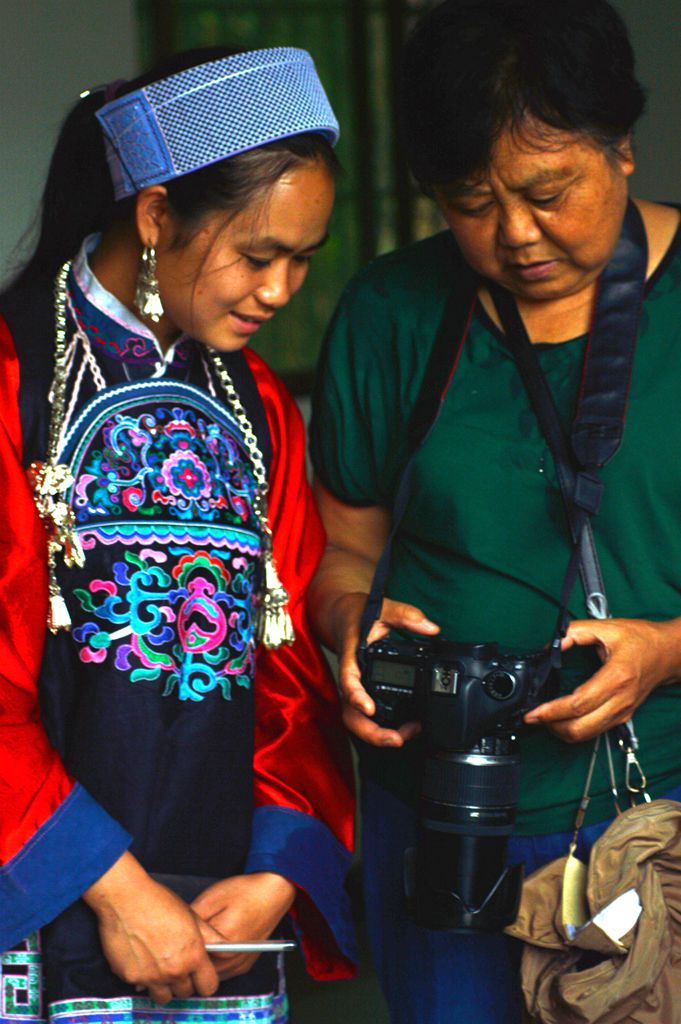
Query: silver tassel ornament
{"type": "Point", "coordinates": [147, 297]}
{"type": "Point", "coordinates": [57, 613]}
{"type": "Point", "coordinates": [274, 627]}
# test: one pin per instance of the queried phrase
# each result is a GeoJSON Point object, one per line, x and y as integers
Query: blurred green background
{"type": "Point", "coordinates": [354, 44]}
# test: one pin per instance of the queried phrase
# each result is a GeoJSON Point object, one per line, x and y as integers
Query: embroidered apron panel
{"type": "Point", "coordinates": [163, 498]}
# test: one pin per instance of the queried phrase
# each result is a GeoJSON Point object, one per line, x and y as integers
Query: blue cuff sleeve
{"type": "Point", "coordinates": [304, 850]}
{"type": "Point", "coordinates": [77, 844]}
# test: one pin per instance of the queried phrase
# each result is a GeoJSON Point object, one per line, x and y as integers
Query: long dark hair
{"type": "Point", "coordinates": [474, 67]}
{"type": "Point", "coordinates": [78, 196]}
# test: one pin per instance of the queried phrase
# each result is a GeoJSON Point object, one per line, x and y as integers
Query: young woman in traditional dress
{"type": "Point", "coordinates": [172, 772]}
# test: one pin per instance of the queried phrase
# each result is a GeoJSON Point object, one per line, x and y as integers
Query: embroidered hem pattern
{"type": "Point", "coordinates": [21, 983]}
{"type": "Point", "coordinates": [21, 1001]}
{"type": "Point", "coordinates": [268, 1009]}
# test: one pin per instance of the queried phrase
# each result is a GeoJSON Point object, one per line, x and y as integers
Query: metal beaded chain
{"type": "Point", "coordinates": [274, 626]}
{"type": "Point", "coordinates": [57, 394]}
{"type": "Point", "coordinates": [250, 440]}
{"type": "Point", "coordinates": [51, 479]}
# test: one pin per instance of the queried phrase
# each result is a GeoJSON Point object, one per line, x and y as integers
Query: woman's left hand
{"type": "Point", "coordinates": [244, 908]}
{"type": "Point", "coordinates": [638, 655]}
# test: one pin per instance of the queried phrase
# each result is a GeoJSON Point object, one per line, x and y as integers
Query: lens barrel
{"type": "Point", "coordinates": [475, 789]}
{"type": "Point", "coordinates": [457, 877]}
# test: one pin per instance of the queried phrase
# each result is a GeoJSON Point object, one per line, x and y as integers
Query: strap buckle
{"type": "Point", "coordinates": [597, 605]}
{"type": "Point", "coordinates": [588, 492]}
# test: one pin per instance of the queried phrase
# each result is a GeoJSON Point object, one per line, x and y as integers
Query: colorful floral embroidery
{"type": "Point", "coordinates": [163, 498]}
{"type": "Point", "coordinates": [190, 624]}
{"type": "Point", "coordinates": [171, 461]}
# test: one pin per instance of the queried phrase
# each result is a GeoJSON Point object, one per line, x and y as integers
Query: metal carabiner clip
{"type": "Point", "coordinates": [634, 776]}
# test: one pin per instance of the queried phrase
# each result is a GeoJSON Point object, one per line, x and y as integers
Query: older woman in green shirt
{"type": "Point", "coordinates": [518, 121]}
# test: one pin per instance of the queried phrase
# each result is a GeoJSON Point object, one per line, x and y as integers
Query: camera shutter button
{"type": "Point", "coordinates": [500, 684]}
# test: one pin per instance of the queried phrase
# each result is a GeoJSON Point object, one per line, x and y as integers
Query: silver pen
{"type": "Point", "coordinates": [264, 946]}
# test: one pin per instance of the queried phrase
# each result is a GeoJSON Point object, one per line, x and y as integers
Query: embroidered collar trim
{"type": "Point", "coordinates": [110, 325]}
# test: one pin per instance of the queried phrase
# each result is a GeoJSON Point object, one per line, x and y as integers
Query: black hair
{"type": "Point", "coordinates": [78, 197]}
{"type": "Point", "coordinates": [473, 68]}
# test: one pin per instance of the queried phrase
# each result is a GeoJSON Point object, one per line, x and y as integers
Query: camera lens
{"type": "Point", "coordinates": [472, 790]}
{"type": "Point", "coordinates": [458, 875]}
{"type": "Point", "coordinates": [500, 685]}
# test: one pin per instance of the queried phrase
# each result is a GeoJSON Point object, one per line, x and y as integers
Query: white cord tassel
{"type": "Point", "coordinates": [50, 483]}
{"type": "Point", "coordinates": [274, 626]}
{"type": "Point", "coordinates": [57, 613]}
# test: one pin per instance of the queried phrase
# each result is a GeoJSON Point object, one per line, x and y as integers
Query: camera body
{"type": "Point", "coordinates": [470, 700]}
{"type": "Point", "coordinates": [459, 692]}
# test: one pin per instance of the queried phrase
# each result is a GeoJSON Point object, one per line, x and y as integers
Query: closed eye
{"type": "Point", "coordinates": [255, 263]}
{"type": "Point", "coordinates": [545, 200]}
{"type": "Point", "coordinates": [475, 211]}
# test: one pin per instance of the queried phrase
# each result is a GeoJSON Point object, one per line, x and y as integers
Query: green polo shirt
{"type": "Point", "coordinates": [484, 544]}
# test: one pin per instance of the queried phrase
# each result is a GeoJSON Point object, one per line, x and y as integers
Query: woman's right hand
{"type": "Point", "coordinates": [358, 706]}
{"type": "Point", "coordinates": [150, 937]}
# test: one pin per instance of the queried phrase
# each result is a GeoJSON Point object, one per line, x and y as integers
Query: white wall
{"type": "Point", "coordinates": [50, 50]}
{"type": "Point", "coordinates": [655, 29]}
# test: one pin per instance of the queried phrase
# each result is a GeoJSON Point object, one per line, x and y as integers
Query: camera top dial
{"type": "Point", "coordinates": [499, 684]}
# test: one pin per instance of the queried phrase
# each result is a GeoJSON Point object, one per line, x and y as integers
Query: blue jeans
{"type": "Point", "coordinates": [437, 977]}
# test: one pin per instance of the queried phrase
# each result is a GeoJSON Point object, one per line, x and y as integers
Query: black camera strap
{"type": "Point", "coordinates": [599, 421]}
{"type": "Point", "coordinates": [442, 363]}
{"type": "Point", "coordinates": [598, 424]}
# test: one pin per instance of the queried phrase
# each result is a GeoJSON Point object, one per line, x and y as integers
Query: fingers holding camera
{"type": "Point", "coordinates": [348, 611]}
{"type": "Point", "coordinates": [370, 732]}
{"type": "Point", "coordinates": [585, 713]}
{"type": "Point", "coordinates": [638, 655]}
{"type": "Point", "coordinates": [359, 707]}
{"type": "Point", "coordinates": [399, 615]}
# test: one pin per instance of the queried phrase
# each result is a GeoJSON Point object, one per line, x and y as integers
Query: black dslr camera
{"type": "Point", "coordinates": [470, 699]}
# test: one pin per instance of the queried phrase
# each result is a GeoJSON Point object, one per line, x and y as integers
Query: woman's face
{"type": "Point", "coordinates": [233, 276]}
{"type": "Point", "coordinates": [544, 218]}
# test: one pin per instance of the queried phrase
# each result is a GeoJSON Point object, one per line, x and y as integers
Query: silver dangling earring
{"type": "Point", "coordinates": [147, 298]}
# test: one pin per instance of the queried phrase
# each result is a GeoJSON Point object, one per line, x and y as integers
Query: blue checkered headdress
{"type": "Point", "coordinates": [210, 112]}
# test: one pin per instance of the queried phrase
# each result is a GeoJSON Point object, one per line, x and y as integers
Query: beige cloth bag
{"type": "Point", "coordinates": [603, 943]}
